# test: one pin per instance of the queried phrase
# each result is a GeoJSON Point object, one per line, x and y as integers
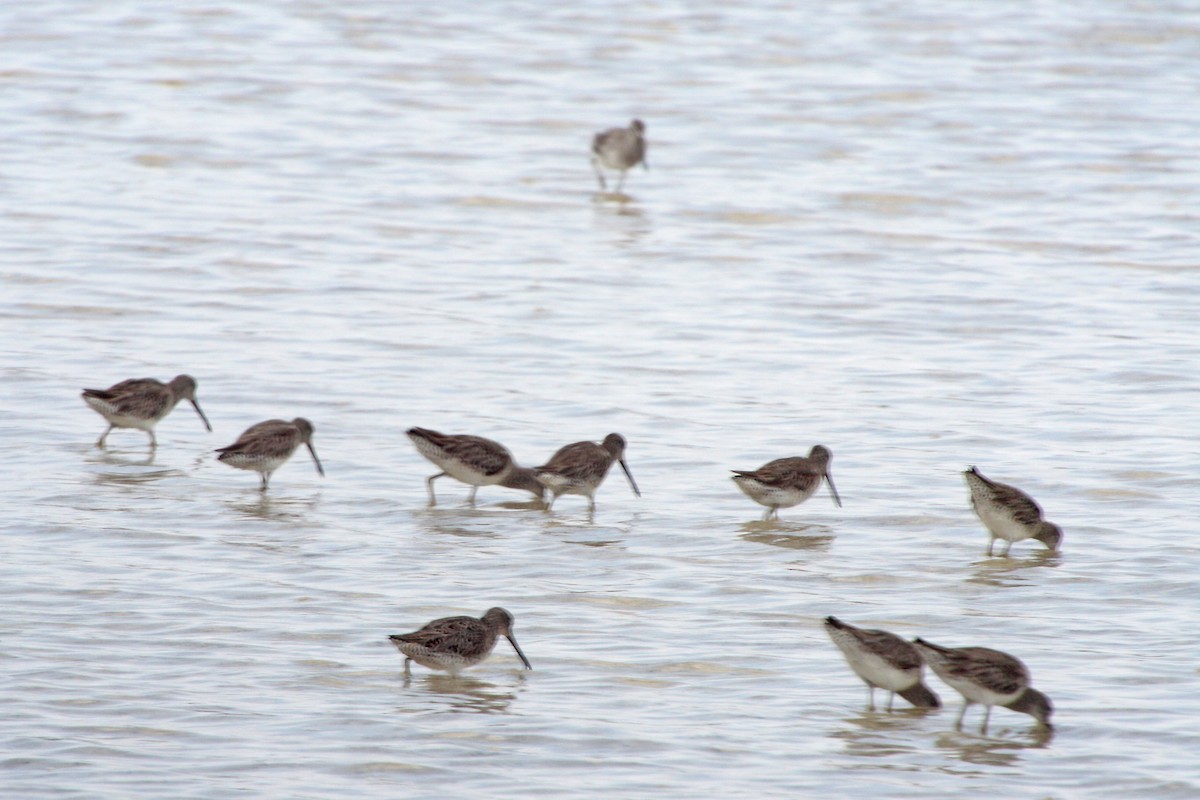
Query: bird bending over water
{"type": "Point", "coordinates": [474, 460]}
{"type": "Point", "coordinates": [142, 403]}
{"type": "Point", "coordinates": [1008, 513]}
{"type": "Point", "coordinates": [988, 677]}
{"type": "Point", "coordinates": [883, 660]}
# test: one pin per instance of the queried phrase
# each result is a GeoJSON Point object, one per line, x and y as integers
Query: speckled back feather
{"type": "Point", "coordinates": [580, 462]}
{"type": "Point", "coordinates": [888, 646]}
{"type": "Point", "coordinates": [990, 669]}
{"type": "Point", "coordinates": [1019, 505]}
{"type": "Point", "coordinates": [143, 398]}
{"type": "Point", "coordinates": [463, 636]}
{"type": "Point", "coordinates": [485, 455]}
{"type": "Point", "coordinates": [273, 438]}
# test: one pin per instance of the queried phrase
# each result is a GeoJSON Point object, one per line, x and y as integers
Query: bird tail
{"type": "Point", "coordinates": [934, 647]}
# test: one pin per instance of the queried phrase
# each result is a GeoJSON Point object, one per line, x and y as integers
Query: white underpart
{"type": "Point", "coordinates": [771, 496]}
{"type": "Point", "coordinates": [870, 666]}
{"type": "Point", "coordinates": [264, 464]}
{"type": "Point", "coordinates": [456, 468]}
{"type": "Point", "coordinates": [560, 485]}
{"type": "Point", "coordinates": [879, 672]}
{"type": "Point", "coordinates": [118, 420]}
{"type": "Point", "coordinates": [975, 693]}
{"type": "Point", "coordinates": [1001, 523]}
{"type": "Point", "coordinates": [461, 472]}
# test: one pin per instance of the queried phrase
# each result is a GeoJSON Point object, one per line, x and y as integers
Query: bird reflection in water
{"type": "Point", "coordinates": [463, 521]}
{"type": "Point", "coordinates": [993, 751]}
{"type": "Point", "coordinates": [114, 457]}
{"type": "Point", "coordinates": [792, 536]}
{"type": "Point", "coordinates": [879, 734]}
{"type": "Point", "coordinates": [1009, 571]}
{"type": "Point", "coordinates": [121, 471]}
{"type": "Point", "coordinates": [464, 694]}
{"type": "Point", "coordinates": [275, 509]}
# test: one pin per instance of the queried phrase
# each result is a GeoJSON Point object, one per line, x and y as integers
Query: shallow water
{"type": "Point", "coordinates": [924, 236]}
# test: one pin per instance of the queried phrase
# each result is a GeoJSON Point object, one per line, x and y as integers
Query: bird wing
{"type": "Point", "coordinates": [136, 397]}
{"type": "Point", "coordinates": [459, 635]}
{"type": "Point", "coordinates": [599, 140]}
{"type": "Point", "coordinates": [890, 647]}
{"type": "Point", "coordinates": [992, 669]}
{"type": "Point", "coordinates": [265, 439]}
{"type": "Point", "coordinates": [490, 457]}
{"type": "Point", "coordinates": [782, 472]}
{"type": "Point", "coordinates": [1020, 505]}
{"type": "Point", "coordinates": [581, 461]}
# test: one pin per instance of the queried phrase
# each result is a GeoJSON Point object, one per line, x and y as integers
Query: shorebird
{"type": "Point", "coordinates": [986, 676]}
{"type": "Point", "coordinates": [885, 660]}
{"type": "Point", "coordinates": [266, 446]}
{"type": "Point", "coordinates": [475, 461]}
{"type": "Point", "coordinates": [456, 643]}
{"type": "Point", "coordinates": [580, 468]}
{"type": "Point", "coordinates": [619, 149]}
{"type": "Point", "coordinates": [787, 482]}
{"type": "Point", "coordinates": [142, 403]}
{"type": "Point", "coordinates": [1009, 513]}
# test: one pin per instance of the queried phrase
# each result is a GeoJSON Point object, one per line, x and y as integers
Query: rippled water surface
{"type": "Point", "coordinates": [926, 235]}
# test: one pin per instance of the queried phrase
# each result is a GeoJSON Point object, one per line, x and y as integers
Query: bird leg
{"type": "Point", "coordinates": [599, 175]}
{"type": "Point", "coordinates": [100, 441]}
{"type": "Point", "coordinates": [429, 485]}
{"type": "Point", "coordinates": [471, 496]}
{"type": "Point", "coordinates": [958, 722]}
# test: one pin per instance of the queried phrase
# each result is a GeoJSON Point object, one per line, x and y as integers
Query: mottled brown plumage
{"type": "Point", "coordinates": [141, 403]}
{"type": "Point", "coordinates": [986, 676]}
{"type": "Point", "coordinates": [579, 468]}
{"type": "Point", "coordinates": [885, 660]}
{"type": "Point", "coordinates": [786, 482]}
{"type": "Point", "coordinates": [474, 460]}
{"type": "Point", "coordinates": [619, 149]}
{"type": "Point", "coordinates": [456, 643]}
{"type": "Point", "coordinates": [264, 447]}
{"type": "Point", "coordinates": [1008, 513]}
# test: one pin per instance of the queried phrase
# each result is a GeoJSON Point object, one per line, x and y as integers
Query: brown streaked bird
{"type": "Point", "coordinates": [142, 403]}
{"type": "Point", "coordinates": [1008, 513]}
{"type": "Point", "coordinates": [579, 468]}
{"type": "Point", "coordinates": [475, 461]}
{"type": "Point", "coordinates": [885, 660]}
{"type": "Point", "coordinates": [989, 677]}
{"type": "Point", "coordinates": [266, 446]}
{"type": "Point", "coordinates": [787, 482]}
{"type": "Point", "coordinates": [619, 149]}
{"type": "Point", "coordinates": [453, 644]}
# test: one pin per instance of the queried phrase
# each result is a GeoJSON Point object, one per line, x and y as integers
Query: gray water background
{"type": "Point", "coordinates": [926, 235]}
